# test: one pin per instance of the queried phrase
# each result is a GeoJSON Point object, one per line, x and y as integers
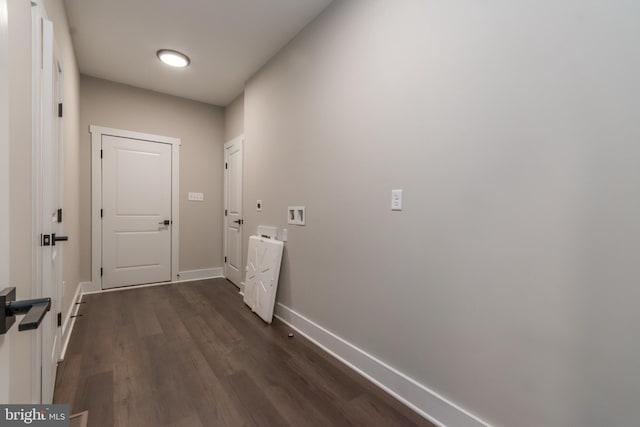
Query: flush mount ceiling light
{"type": "Point", "coordinates": [173, 58]}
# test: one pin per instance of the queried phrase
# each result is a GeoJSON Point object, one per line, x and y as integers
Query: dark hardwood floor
{"type": "Point", "coordinates": [193, 354]}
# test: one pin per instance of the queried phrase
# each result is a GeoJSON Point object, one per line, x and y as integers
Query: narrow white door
{"type": "Point", "coordinates": [136, 223]}
{"type": "Point", "coordinates": [50, 200]}
{"type": "Point", "coordinates": [233, 210]}
{"type": "Point", "coordinates": [4, 192]}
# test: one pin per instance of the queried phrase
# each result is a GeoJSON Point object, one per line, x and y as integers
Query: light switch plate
{"type": "Point", "coordinates": [396, 200]}
{"type": "Point", "coordinates": [196, 197]}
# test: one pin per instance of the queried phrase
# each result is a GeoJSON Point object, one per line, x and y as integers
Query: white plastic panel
{"type": "Point", "coordinates": [263, 271]}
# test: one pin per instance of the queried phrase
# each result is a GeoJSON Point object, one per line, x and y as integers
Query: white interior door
{"type": "Point", "coordinates": [49, 200]}
{"type": "Point", "coordinates": [233, 210]}
{"type": "Point", "coordinates": [136, 200]}
{"type": "Point", "coordinates": [4, 192]}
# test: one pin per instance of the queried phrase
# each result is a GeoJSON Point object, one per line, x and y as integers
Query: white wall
{"type": "Point", "coordinates": [509, 282]}
{"type": "Point", "coordinates": [234, 118]}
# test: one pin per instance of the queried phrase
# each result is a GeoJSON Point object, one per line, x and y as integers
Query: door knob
{"type": "Point", "coordinates": [55, 239]}
{"type": "Point", "coordinates": [239, 221]}
{"type": "Point", "coordinates": [165, 222]}
{"type": "Point", "coordinates": [35, 309]}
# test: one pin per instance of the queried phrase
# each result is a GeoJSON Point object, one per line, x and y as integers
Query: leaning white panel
{"type": "Point", "coordinates": [263, 271]}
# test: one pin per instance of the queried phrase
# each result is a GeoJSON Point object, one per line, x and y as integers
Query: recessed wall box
{"type": "Point", "coordinates": [296, 215]}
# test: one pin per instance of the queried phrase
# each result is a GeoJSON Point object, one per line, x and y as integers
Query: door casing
{"type": "Point", "coordinates": [96, 197]}
{"type": "Point", "coordinates": [5, 344]}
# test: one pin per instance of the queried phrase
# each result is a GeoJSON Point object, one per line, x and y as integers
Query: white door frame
{"type": "Point", "coordinates": [96, 196]}
{"type": "Point", "coordinates": [238, 139]}
{"type": "Point", "coordinates": [37, 13]}
{"type": "Point", "coordinates": [5, 362]}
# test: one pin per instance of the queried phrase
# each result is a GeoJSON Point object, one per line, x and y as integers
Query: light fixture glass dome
{"type": "Point", "coordinates": [173, 58]}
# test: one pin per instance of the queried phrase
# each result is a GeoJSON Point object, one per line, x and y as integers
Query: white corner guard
{"type": "Point", "coordinates": [416, 396]}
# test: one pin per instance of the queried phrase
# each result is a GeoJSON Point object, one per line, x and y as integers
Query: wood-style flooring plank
{"type": "Point", "coordinates": [251, 401]}
{"type": "Point", "coordinates": [67, 378]}
{"type": "Point", "coordinates": [95, 395]}
{"type": "Point", "coordinates": [193, 354]}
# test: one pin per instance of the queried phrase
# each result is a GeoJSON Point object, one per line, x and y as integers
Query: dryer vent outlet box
{"type": "Point", "coordinates": [296, 215]}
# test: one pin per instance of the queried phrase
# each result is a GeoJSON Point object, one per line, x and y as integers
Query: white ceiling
{"type": "Point", "coordinates": [227, 41]}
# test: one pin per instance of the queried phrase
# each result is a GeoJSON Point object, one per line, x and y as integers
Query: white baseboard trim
{"type": "Point", "coordinates": [192, 275]}
{"type": "Point", "coordinates": [422, 400]}
{"type": "Point", "coordinates": [90, 288]}
{"type": "Point", "coordinates": [69, 322]}
{"type": "Point", "coordinates": [207, 273]}
{"type": "Point", "coordinates": [241, 288]}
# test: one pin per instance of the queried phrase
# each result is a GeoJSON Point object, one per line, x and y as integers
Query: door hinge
{"type": "Point", "coordinates": [225, 212]}
{"type": "Point", "coordinates": [100, 153]}
{"type": "Point", "coordinates": [226, 165]}
{"type": "Point", "coordinates": [101, 271]}
{"type": "Point", "coordinates": [59, 215]}
{"type": "Point", "coordinates": [225, 260]}
{"type": "Point", "coordinates": [101, 212]}
{"type": "Point", "coordinates": [60, 109]}
{"type": "Point", "coordinates": [59, 319]}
